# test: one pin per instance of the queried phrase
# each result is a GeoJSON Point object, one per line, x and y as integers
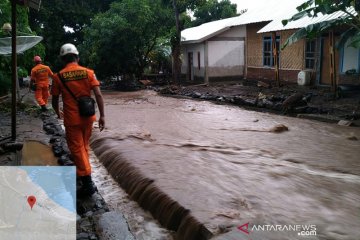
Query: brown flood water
{"type": "Point", "coordinates": [35, 153]}
{"type": "Point", "coordinates": [204, 156]}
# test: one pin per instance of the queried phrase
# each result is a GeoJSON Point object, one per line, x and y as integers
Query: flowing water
{"type": "Point", "coordinates": [226, 165]}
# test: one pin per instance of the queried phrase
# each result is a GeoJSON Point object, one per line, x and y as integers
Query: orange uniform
{"type": "Point", "coordinates": [40, 75]}
{"type": "Point", "coordinates": [80, 81]}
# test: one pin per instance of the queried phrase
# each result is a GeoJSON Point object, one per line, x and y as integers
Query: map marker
{"type": "Point", "coordinates": [31, 200]}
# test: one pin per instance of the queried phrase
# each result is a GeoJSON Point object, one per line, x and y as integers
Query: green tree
{"type": "Point", "coordinates": [179, 9]}
{"type": "Point", "coordinates": [125, 35]}
{"type": "Point", "coordinates": [60, 22]}
{"type": "Point", "coordinates": [214, 10]}
{"type": "Point", "coordinates": [23, 29]}
{"type": "Point", "coordinates": [160, 57]}
{"type": "Point", "coordinates": [313, 8]}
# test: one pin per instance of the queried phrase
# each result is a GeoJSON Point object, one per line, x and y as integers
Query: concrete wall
{"type": "Point", "coordinates": [269, 74]}
{"type": "Point", "coordinates": [195, 49]}
{"type": "Point", "coordinates": [238, 31]}
{"type": "Point", "coordinates": [226, 58]}
{"type": "Point", "coordinates": [350, 58]}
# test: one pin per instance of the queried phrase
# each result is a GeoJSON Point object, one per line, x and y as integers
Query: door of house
{"type": "Point", "coordinates": [190, 66]}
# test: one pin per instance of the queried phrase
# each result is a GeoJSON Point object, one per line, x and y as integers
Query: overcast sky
{"type": "Point", "coordinates": [242, 4]}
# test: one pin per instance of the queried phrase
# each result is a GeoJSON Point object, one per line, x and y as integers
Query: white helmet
{"type": "Point", "coordinates": [68, 48]}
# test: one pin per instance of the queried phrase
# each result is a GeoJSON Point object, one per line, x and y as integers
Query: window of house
{"type": "Point", "coordinates": [267, 51]}
{"type": "Point", "coordinates": [310, 54]}
{"type": "Point", "coordinates": [268, 58]}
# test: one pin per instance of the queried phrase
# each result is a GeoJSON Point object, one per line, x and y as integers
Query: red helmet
{"type": "Point", "coordinates": [37, 59]}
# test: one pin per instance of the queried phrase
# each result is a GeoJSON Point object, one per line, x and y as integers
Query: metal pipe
{"type": "Point", "coordinates": [13, 70]}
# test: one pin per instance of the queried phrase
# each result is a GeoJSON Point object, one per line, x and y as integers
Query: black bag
{"type": "Point", "coordinates": [86, 106]}
{"type": "Point", "coordinates": [33, 86]}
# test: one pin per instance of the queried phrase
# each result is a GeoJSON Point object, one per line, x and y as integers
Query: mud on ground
{"type": "Point", "coordinates": [28, 127]}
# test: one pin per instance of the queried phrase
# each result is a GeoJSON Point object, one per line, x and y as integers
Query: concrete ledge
{"type": "Point", "coordinates": [320, 117]}
{"type": "Point", "coordinates": [112, 225]}
{"type": "Point", "coordinates": [170, 213]}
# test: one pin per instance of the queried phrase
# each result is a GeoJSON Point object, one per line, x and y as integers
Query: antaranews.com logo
{"type": "Point", "coordinates": [302, 230]}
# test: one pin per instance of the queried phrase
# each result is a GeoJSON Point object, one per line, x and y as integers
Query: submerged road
{"type": "Point", "coordinates": [226, 165]}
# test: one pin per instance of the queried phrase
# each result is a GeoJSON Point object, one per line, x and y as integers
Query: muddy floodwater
{"type": "Point", "coordinates": [225, 165]}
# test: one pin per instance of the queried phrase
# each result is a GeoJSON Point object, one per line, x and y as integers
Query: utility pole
{"type": "Point", "coordinates": [13, 70]}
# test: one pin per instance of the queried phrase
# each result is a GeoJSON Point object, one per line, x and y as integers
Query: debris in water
{"type": "Point", "coordinates": [263, 84]}
{"type": "Point", "coordinates": [352, 137]}
{"type": "Point", "coordinates": [276, 129]}
{"type": "Point", "coordinates": [228, 214]}
{"type": "Point", "coordinates": [279, 128]}
{"type": "Point", "coordinates": [225, 228]}
{"type": "Point", "coordinates": [146, 82]}
{"type": "Point", "coordinates": [345, 123]}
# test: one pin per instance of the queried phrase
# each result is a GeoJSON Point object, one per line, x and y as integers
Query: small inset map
{"type": "Point", "coordinates": [37, 203]}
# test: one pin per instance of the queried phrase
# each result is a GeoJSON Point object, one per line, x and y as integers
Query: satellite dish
{"type": "Point", "coordinates": [23, 43]}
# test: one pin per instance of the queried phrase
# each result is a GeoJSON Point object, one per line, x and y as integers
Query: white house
{"type": "Point", "coordinates": [214, 49]}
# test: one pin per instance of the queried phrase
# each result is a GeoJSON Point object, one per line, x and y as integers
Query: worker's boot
{"type": "Point", "coordinates": [86, 187]}
{"type": "Point", "coordinates": [43, 108]}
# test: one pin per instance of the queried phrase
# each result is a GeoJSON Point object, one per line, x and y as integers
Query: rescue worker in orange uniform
{"type": "Point", "coordinates": [40, 77]}
{"type": "Point", "coordinates": [81, 81]}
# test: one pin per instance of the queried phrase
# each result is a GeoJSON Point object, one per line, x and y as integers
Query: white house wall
{"type": "Point", "coordinates": [350, 59]}
{"type": "Point", "coordinates": [195, 49]}
{"type": "Point", "coordinates": [238, 31]}
{"type": "Point", "coordinates": [226, 58]}
{"type": "Point", "coordinates": [226, 53]}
